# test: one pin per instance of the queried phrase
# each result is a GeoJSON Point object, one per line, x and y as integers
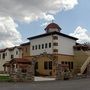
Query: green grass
{"type": "Point", "coordinates": [5, 78]}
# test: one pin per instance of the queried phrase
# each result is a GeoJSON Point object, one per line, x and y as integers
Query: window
{"type": "Point", "coordinates": [55, 44]}
{"type": "Point", "coordinates": [42, 46]}
{"type": "Point", "coordinates": [62, 62]}
{"type": "Point", "coordinates": [36, 47]}
{"type": "Point", "coordinates": [36, 65]}
{"type": "Point", "coordinates": [32, 47]}
{"type": "Point", "coordinates": [39, 46]}
{"type": "Point", "coordinates": [16, 52]}
{"type": "Point", "coordinates": [23, 70]}
{"type": "Point", "coordinates": [3, 56]}
{"type": "Point", "coordinates": [45, 65]}
{"type": "Point", "coordinates": [55, 50]}
{"type": "Point", "coordinates": [45, 45]}
{"type": "Point", "coordinates": [55, 37]}
{"type": "Point", "coordinates": [12, 56]}
{"type": "Point", "coordinates": [49, 45]}
{"type": "Point", "coordinates": [71, 65]}
{"type": "Point", "coordinates": [48, 65]}
{"type": "Point", "coordinates": [66, 62]}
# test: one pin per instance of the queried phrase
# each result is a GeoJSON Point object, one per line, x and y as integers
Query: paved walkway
{"type": "Point", "coordinates": [43, 79]}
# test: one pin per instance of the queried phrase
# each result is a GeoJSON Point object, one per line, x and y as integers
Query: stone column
{"type": "Point", "coordinates": [58, 72]}
{"type": "Point", "coordinates": [30, 73]}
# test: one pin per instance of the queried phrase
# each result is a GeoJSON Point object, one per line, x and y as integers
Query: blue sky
{"type": "Point", "coordinates": [68, 20]}
{"type": "Point", "coordinates": [22, 19]}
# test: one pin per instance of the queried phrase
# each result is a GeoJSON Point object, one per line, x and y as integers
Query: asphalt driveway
{"type": "Point", "coordinates": [80, 84]}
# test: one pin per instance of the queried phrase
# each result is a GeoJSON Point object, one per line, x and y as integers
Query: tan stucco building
{"type": "Point", "coordinates": [50, 48]}
{"type": "Point", "coordinates": [9, 53]}
{"type": "Point", "coordinates": [54, 52]}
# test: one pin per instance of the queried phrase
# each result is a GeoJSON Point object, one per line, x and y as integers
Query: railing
{"type": "Point", "coordinates": [85, 65]}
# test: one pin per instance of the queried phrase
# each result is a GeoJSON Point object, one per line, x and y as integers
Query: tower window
{"type": "Point", "coordinates": [55, 44]}
{"type": "Point", "coordinates": [55, 50]}
{"type": "Point", "coordinates": [55, 37]}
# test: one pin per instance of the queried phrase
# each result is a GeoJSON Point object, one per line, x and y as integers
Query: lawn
{"type": "Point", "coordinates": [5, 78]}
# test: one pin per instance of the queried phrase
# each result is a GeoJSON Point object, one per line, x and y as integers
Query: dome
{"type": "Point", "coordinates": [52, 26]}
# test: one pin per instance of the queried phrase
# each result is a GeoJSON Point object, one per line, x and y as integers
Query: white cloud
{"type": "Point", "coordinates": [45, 24]}
{"type": "Point", "coordinates": [9, 36]}
{"type": "Point", "coordinates": [29, 10]}
{"type": "Point", "coordinates": [82, 34]}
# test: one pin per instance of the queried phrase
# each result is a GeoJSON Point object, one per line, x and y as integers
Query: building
{"type": "Point", "coordinates": [50, 46]}
{"type": "Point", "coordinates": [20, 69]}
{"type": "Point", "coordinates": [51, 53]}
{"type": "Point", "coordinates": [82, 59]}
{"type": "Point", "coordinates": [8, 54]}
{"type": "Point", "coordinates": [25, 50]}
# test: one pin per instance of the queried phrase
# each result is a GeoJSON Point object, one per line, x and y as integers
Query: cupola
{"type": "Point", "coordinates": [52, 27]}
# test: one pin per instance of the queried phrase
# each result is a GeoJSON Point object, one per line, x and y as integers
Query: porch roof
{"type": "Point", "coordinates": [20, 60]}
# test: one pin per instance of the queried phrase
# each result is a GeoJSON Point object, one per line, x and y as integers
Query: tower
{"type": "Point", "coordinates": [52, 27]}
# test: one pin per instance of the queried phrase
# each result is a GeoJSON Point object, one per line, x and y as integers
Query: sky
{"type": "Point", "coordinates": [20, 19]}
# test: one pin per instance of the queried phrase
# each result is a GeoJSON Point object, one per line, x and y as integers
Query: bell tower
{"type": "Point", "coordinates": [52, 27]}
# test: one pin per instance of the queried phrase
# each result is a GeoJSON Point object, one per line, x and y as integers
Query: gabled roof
{"type": "Point", "coordinates": [10, 49]}
{"type": "Point", "coordinates": [24, 44]}
{"type": "Point", "coordinates": [3, 50]}
{"type": "Point", "coordinates": [20, 60]}
{"type": "Point", "coordinates": [52, 33]}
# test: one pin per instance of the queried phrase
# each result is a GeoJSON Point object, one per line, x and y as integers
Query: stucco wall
{"type": "Point", "coordinates": [8, 54]}
{"type": "Point", "coordinates": [66, 45]}
{"type": "Point", "coordinates": [43, 40]}
{"type": "Point", "coordinates": [26, 51]}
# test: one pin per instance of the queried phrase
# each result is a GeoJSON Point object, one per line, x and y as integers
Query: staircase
{"type": "Point", "coordinates": [83, 67]}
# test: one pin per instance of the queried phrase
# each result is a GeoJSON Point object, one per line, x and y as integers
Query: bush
{"type": "Point", "coordinates": [5, 78]}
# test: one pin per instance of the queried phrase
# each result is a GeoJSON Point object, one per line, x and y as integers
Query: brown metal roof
{"type": "Point", "coordinates": [10, 49]}
{"type": "Point", "coordinates": [20, 60]}
{"type": "Point", "coordinates": [52, 25]}
{"type": "Point", "coordinates": [52, 33]}
{"type": "Point", "coordinates": [24, 44]}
